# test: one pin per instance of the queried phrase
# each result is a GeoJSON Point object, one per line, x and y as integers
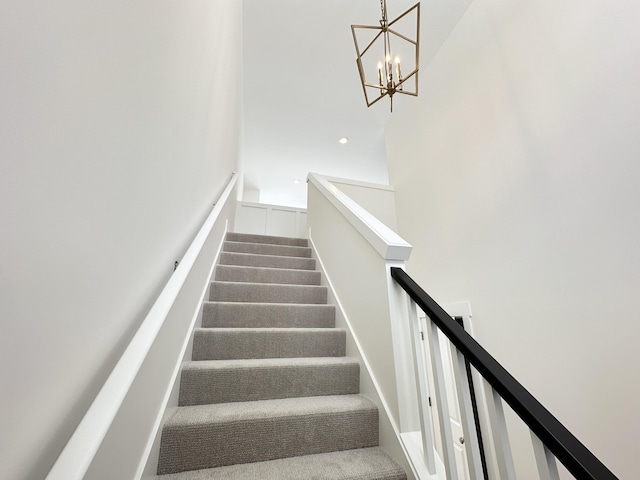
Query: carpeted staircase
{"type": "Point", "coordinates": [269, 394]}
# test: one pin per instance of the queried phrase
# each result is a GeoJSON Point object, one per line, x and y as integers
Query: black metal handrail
{"type": "Point", "coordinates": [578, 460]}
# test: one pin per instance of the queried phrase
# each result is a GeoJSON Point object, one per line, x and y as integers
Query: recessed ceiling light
{"type": "Point", "coordinates": [343, 140]}
{"type": "Point", "coordinates": [296, 181]}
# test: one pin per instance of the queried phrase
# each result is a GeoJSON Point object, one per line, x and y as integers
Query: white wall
{"type": "Point", "coordinates": [377, 199]}
{"type": "Point", "coordinates": [516, 177]}
{"type": "Point", "coordinates": [119, 129]}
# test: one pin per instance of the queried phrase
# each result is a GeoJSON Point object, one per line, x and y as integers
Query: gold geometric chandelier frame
{"type": "Point", "coordinates": [388, 84]}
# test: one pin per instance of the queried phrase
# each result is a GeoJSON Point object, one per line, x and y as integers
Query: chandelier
{"type": "Point", "coordinates": [381, 73]}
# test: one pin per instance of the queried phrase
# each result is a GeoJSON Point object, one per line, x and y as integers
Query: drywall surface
{"type": "Point", "coordinates": [358, 274]}
{"type": "Point", "coordinates": [133, 439]}
{"type": "Point", "coordinates": [119, 129]}
{"type": "Point", "coordinates": [516, 176]}
{"type": "Point", "coordinates": [379, 200]}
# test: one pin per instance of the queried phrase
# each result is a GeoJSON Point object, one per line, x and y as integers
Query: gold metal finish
{"type": "Point", "coordinates": [389, 80]}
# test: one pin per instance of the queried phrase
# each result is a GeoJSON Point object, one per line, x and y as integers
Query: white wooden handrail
{"type": "Point", "coordinates": [76, 457]}
{"type": "Point", "coordinates": [384, 240]}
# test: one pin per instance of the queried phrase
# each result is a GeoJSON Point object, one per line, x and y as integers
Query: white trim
{"type": "Point", "coordinates": [358, 183]}
{"type": "Point", "coordinates": [384, 240]}
{"type": "Point", "coordinates": [77, 455]}
{"type": "Point", "coordinates": [178, 368]}
{"type": "Point", "coordinates": [270, 205]}
{"type": "Point", "coordinates": [412, 441]}
{"type": "Point", "coordinates": [244, 224]}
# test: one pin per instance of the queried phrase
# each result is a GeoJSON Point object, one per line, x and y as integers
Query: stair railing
{"type": "Point", "coordinates": [550, 439]}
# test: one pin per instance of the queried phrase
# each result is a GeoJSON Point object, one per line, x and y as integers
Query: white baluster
{"type": "Point", "coordinates": [422, 389]}
{"type": "Point", "coordinates": [472, 447]}
{"type": "Point", "coordinates": [444, 417]}
{"type": "Point", "coordinates": [500, 434]}
{"type": "Point", "coordinates": [545, 460]}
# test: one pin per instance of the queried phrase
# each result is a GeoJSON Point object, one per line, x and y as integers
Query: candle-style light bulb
{"type": "Point", "coordinates": [389, 72]}
{"type": "Point", "coordinates": [380, 75]}
{"type": "Point", "coordinates": [398, 72]}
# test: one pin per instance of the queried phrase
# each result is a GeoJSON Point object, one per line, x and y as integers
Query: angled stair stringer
{"type": "Point", "coordinates": [269, 393]}
{"type": "Point", "coordinates": [390, 438]}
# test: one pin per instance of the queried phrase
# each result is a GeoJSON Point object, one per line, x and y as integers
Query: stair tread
{"type": "Point", "coordinates": [223, 381]}
{"type": "Point", "coordinates": [260, 259]}
{"type": "Point", "coordinates": [261, 342]}
{"type": "Point", "coordinates": [262, 255]}
{"type": "Point", "coordinates": [267, 409]}
{"type": "Point", "coordinates": [209, 436]}
{"type": "Point", "coordinates": [281, 247]}
{"type": "Point", "coordinates": [319, 306]}
{"type": "Point", "coordinates": [249, 314]}
{"type": "Point", "coordinates": [297, 330]}
{"type": "Point", "coordinates": [268, 363]}
{"type": "Point", "coordinates": [360, 464]}
{"type": "Point", "coordinates": [269, 269]}
{"type": "Point", "coordinates": [267, 249]}
{"type": "Point", "coordinates": [266, 275]}
{"type": "Point", "coordinates": [267, 239]}
{"type": "Point", "coordinates": [277, 285]}
{"type": "Point", "coordinates": [266, 292]}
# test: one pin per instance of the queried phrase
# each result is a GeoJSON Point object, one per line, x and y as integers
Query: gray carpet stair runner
{"type": "Point", "coordinates": [269, 394]}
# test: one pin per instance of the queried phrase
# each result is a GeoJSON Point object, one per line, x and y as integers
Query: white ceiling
{"type": "Point", "coordinates": [302, 91]}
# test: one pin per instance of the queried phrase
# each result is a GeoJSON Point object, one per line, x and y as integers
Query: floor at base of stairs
{"type": "Point", "coordinates": [360, 464]}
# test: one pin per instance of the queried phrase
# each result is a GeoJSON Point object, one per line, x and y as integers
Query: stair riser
{"type": "Point", "coordinates": [264, 315]}
{"type": "Point", "coordinates": [226, 273]}
{"type": "Point", "coordinates": [209, 344]}
{"type": "Point", "coordinates": [200, 387]}
{"type": "Point", "coordinates": [254, 292]}
{"type": "Point", "coordinates": [251, 238]}
{"type": "Point", "coordinates": [262, 249]}
{"type": "Point", "coordinates": [211, 445]}
{"type": "Point", "coordinates": [270, 261]}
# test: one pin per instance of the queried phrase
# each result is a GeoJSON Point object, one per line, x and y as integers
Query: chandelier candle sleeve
{"type": "Point", "coordinates": [398, 74]}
